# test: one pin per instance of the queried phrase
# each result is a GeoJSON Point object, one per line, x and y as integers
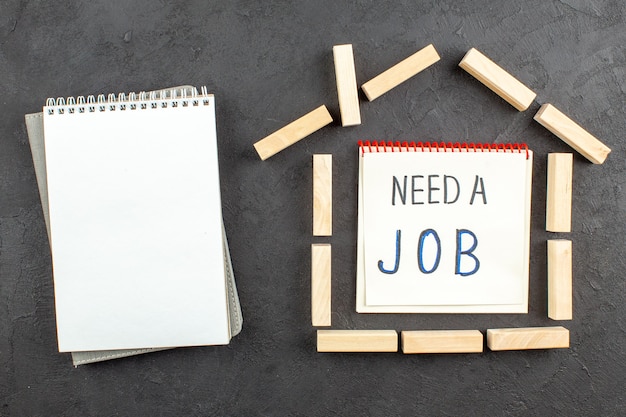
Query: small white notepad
{"type": "Point", "coordinates": [135, 219]}
{"type": "Point", "coordinates": [443, 229]}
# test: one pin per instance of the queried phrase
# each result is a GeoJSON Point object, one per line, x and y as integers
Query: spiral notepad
{"type": "Point", "coordinates": [135, 221]}
{"type": "Point", "coordinates": [443, 228]}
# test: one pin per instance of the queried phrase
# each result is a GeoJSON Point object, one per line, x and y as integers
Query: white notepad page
{"type": "Point", "coordinates": [443, 202]}
{"type": "Point", "coordinates": [135, 217]}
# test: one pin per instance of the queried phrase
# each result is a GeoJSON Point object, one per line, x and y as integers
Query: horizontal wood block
{"type": "Point", "coordinates": [346, 85]}
{"type": "Point", "coordinates": [322, 195]}
{"type": "Point", "coordinates": [400, 72]}
{"type": "Point", "coordinates": [572, 134]}
{"type": "Point", "coordinates": [560, 279]}
{"type": "Point", "coordinates": [357, 341]}
{"type": "Point", "coordinates": [293, 132]}
{"type": "Point", "coordinates": [523, 338]}
{"type": "Point", "coordinates": [559, 192]}
{"type": "Point", "coordinates": [321, 284]}
{"type": "Point", "coordinates": [442, 341]}
{"type": "Point", "coordinates": [497, 79]}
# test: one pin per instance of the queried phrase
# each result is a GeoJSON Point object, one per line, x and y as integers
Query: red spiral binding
{"type": "Point", "coordinates": [382, 146]}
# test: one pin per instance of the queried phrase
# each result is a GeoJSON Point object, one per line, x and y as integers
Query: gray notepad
{"type": "Point", "coordinates": [34, 123]}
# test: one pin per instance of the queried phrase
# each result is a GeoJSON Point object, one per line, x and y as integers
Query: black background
{"type": "Point", "coordinates": [268, 63]}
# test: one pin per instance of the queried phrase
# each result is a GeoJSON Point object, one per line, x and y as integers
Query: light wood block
{"type": "Point", "coordinates": [560, 279]}
{"type": "Point", "coordinates": [322, 195]}
{"type": "Point", "coordinates": [357, 341]}
{"type": "Point", "coordinates": [497, 79]}
{"type": "Point", "coordinates": [293, 132]}
{"type": "Point", "coordinates": [442, 341]}
{"type": "Point", "coordinates": [572, 134]}
{"type": "Point", "coordinates": [320, 284]}
{"type": "Point", "coordinates": [346, 85]}
{"type": "Point", "coordinates": [400, 72]}
{"type": "Point", "coordinates": [559, 192]}
{"type": "Point", "coordinates": [523, 338]}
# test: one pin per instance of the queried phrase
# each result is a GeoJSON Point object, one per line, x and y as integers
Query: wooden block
{"type": "Point", "coordinates": [559, 192]}
{"type": "Point", "coordinates": [322, 195]}
{"type": "Point", "coordinates": [497, 79]}
{"type": "Point", "coordinates": [293, 132]}
{"type": "Point", "coordinates": [357, 341]}
{"type": "Point", "coordinates": [442, 341]}
{"type": "Point", "coordinates": [572, 134]}
{"type": "Point", "coordinates": [523, 338]}
{"type": "Point", "coordinates": [560, 279]}
{"type": "Point", "coordinates": [320, 284]}
{"type": "Point", "coordinates": [346, 85]}
{"type": "Point", "coordinates": [400, 72]}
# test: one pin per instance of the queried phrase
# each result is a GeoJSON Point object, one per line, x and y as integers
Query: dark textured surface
{"type": "Point", "coordinates": [269, 63]}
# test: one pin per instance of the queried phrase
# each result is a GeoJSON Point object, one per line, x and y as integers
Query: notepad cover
{"type": "Point", "coordinates": [34, 126]}
{"type": "Point", "coordinates": [198, 308]}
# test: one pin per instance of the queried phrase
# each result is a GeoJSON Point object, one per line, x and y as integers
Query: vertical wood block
{"type": "Point", "coordinates": [559, 192]}
{"type": "Point", "coordinates": [560, 279]}
{"type": "Point", "coordinates": [322, 195]}
{"type": "Point", "coordinates": [442, 341]}
{"type": "Point", "coordinates": [293, 132]}
{"type": "Point", "coordinates": [346, 85]}
{"type": "Point", "coordinates": [572, 134]}
{"type": "Point", "coordinates": [523, 338]}
{"type": "Point", "coordinates": [320, 284]}
{"type": "Point", "coordinates": [497, 79]}
{"type": "Point", "coordinates": [357, 341]}
{"type": "Point", "coordinates": [400, 72]}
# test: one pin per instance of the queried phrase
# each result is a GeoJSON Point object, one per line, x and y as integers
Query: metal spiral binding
{"type": "Point", "coordinates": [382, 146]}
{"type": "Point", "coordinates": [182, 97]}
